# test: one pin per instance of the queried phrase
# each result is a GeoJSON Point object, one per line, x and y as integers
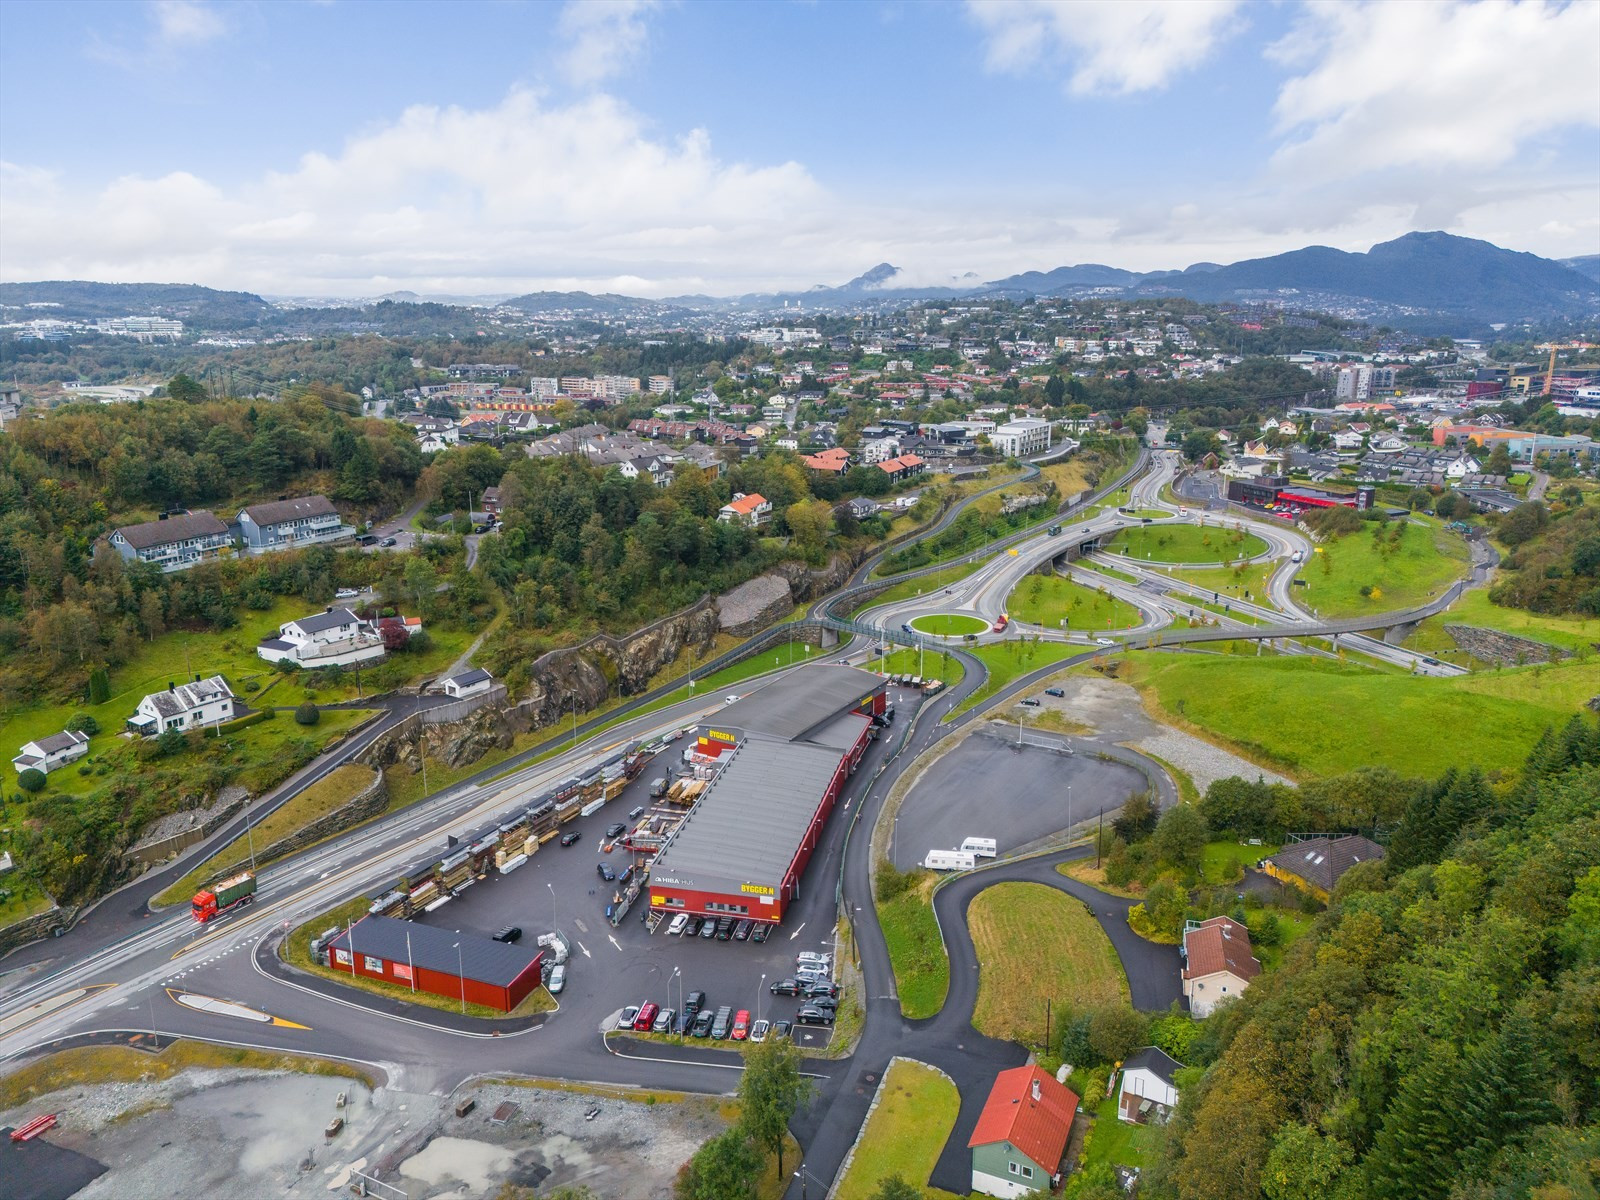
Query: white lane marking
{"type": "Point", "coordinates": [585, 950]}
{"type": "Point", "coordinates": [796, 933]}
{"type": "Point", "coordinates": [614, 942]}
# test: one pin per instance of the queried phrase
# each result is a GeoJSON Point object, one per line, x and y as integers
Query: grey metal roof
{"type": "Point", "coordinates": [468, 678]}
{"type": "Point", "coordinates": [58, 742]}
{"type": "Point", "coordinates": [481, 958]}
{"type": "Point", "coordinates": [1321, 860]}
{"type": "Point", "coordinates": [288, 510]}
{"type": "Point", "coordinates": [332, 619]}
{"type": "Point", "coordinates": [747, 826]}
{"type": "Point", "coordinates": [188, 696]}
{"type": "Point", "coordinates": [174, 529]}
{"type": "Point", "coordinates": [1155, 1060]}
{"type": "Point", "coordinates": [794, 706]}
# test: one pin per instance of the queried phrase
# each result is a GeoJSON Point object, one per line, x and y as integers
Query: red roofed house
{"type": "Point", "coordinates": [753, 509]}
{"type": "Point", "coordinates": [1021, 1133]}
{"type": "Point", "coordinates": [1218, 964]}
{"type": "Point", "coordinates": [834, 461]}
{"type": "Point", "coordinates": [903, 467]}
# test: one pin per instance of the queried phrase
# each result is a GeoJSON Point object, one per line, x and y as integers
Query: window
{"type": "Point", "coordinates": [1012, 1167]}
{"type": "Point", "coordinates": [1027, 1172]}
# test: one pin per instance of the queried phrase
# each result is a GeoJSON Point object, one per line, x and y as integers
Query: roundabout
{"type": "Point", "coordinates": [948, 625]}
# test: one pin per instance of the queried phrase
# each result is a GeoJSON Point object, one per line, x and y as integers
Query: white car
{"type": "Point", "coordinates": [758, 1031]}
{"type": "Point", "coordinates": [1104, 642]}
{"type": "Point", "coordinates": [558, 980]}
{"type": "Point", "coordinates": [730, 699]}
{"type": "Point", "coordinates": [347, 593]}
{"type": "Point", "coordinates": [1183, 512]}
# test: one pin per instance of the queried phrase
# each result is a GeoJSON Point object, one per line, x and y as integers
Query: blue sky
{"type": "Point", "coordinates": [352, 148]}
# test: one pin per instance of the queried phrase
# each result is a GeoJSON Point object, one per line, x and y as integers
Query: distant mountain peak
{"type": "Point", "coordinates": [879, 276]}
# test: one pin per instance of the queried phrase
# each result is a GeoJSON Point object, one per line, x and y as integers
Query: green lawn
{"type": "Point", "coordinates": [949, 624]}
{"type": "Point", "coordinates": [930, 582]}
{"type": "Point", "coordinates": [1233, 582]}
{"type": "Point", "coordinates": [1113, 1142]}
{"type": "Point", "coordinates": [1009, 659]}
{"type": "Point", "coordinates": [1059, 603]}
{"type": "Point", "coordinates": [1036, 943]}
{"type": "Point", "coordinates": [1475, 608]}
{"type": "Point", "coordinates": [917, 1109]}
{"type": "Point", "coordinates": [929, 664]}
{"type": "Point", "coordinates": [1312, 717]}
{"type": "Point", "coordinates": [916, 951]}
{"type": "Point", "coordinates": [1186, 544]}
{"type": "Point", "coordinates": [1425, 560]}
{"type": "Point", "coordinates": [1224, 862]}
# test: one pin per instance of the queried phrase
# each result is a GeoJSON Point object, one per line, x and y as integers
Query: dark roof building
{"type": "Point", "coordinates": [1315, 864]}
{"type": "Point", "coordinates": [494, 974]}
{"type": "Point", "coordinates": [173, 543]}
{"type": "Point", "coordinates": [276, 511]}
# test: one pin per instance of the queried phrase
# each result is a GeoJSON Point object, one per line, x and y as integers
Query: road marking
{"type": "Point", "coordinates": [796, 933]}
{"type": "Point", "coordinates": [614, 942]}
{"type": "Point", "coordinates": [43, 1008]}
{"type": "Point", "coordinates": [585, 950]}
{"type": "Point", "coordinates": [227, 1008]}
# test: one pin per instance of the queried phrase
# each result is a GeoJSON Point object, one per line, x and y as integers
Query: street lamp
{"type": "Point", "coordinates": [553, 922]}
{"type": "Point", "coordinates": [760, 992]}
{"type": "Point", "coordinates": [678, 975]}
{"type": "Point", "coordinates": [461, 974]}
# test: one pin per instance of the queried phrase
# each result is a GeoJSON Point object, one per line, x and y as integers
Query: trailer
{"type": "Point", "coordinates": [229, 894]}
{"type": "Point", "coordinates": [981, 847]}
{"type": "Point", "coordinates": [949, 860]}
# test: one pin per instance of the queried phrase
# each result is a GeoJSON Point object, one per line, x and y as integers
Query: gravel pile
{"type": "Point", "coordinates": [1203, 762]}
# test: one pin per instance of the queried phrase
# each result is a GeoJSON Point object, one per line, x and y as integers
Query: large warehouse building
{"type": "Point", "coordinates": [1274, 491]}
{"type": "Point", "coordinates": [781, 758]}
{"type": "Point", "coordinates": [425, 959]}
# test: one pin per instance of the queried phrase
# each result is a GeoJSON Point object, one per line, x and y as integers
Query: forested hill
{"type": "Point", "coordinates": [79, 299]}
{"type": "Point", "coordinates": [1437, 1034]}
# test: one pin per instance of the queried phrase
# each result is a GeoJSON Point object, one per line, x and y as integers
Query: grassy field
{"type": "Point", "coordinates": [1035, 943]}
{"type": "Point", "coordinates": [921, 969]}
{"type": "Point", "coordinates": [1425, 560]}
{"type": "Point", "coordinates": [88, 1065]}
{"type": "Point", "coordinates": [1310, 717]}
{"type": "Point", "coordinates": [1009, 659]}
{"type": "Point", "coordinates": [930, 582]}
{"type": "Point", "coordinates": [1186, 544]}
{"type": "Point", "coordinates": [917, 1109]}
{"type": "Point", "coordinates": [1113, 1142]}
{"type": "Point", "coordinates": [1475, 608]}
{"type": "Point", "coordinates": [929, 664]}
{"type": "Point", "coordinates": [1234, 582]}
{"type": "Point", "coordinates": [1224, 862]}
{"type": "Point", "coordinates": [338, 787]}
{"type": "Point", "coordinates": [1059, 603]}
{"type": "Point", "coordinates": [949, 624]}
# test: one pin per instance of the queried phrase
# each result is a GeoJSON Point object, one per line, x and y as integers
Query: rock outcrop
{"type": "Point", "coordinates": [1503, 649]}
{"type": "Point", "coordinates": [755, 604]}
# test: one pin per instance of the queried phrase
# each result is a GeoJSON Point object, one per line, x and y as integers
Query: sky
{"type": "Point", "coordinates": [673, 147]}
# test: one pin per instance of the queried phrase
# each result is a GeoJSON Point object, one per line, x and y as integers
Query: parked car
{"type": "Point", "coordinates": [511, 933]}
{"type": "Point", "coordinates": [741, 930]}
{"type": "Point", "coordinates": [722, 1023]}
{"type": "Point", "coordinates": [724, 928]}
{"type": "Point", "coordinates": [759, 934]}
{"type": "Point", "coordinates": [388, 541]}
{"type": "Point", "coordinates": [558, 979]}
{"type": "Point", "coordinates": [709, 929]}
{"type": "Point", "coordinates": [822, 988]}
{"type": "Point", "coordinates": [810, 1014]}
{"type": "Point", "coordinates": [605, 872]}
{"type": "Point", "coordinates": [647, 1016]}
{"type": "Point", "coordinates": [663, 1021]}
{"type": "Point", "coordinates": [347, 593]}
{"type": "Point", "coordinates": [1030, 702]}
{"type": "Point", "coordinates": [811, 956]}
{"type": "Point", "coordinates": [571, 838]}
{"type": "Point", "coordinates": [616, 829]}
{"type": "Point", "coordinates": [1054, 692]}
{"type": "Point", "coordinates": [826, 1003]}
{"type": "Point", "coordinates": [741, 1025]}
{"type": "Point", "coordinates": [702, 1025]}
{"type": "Point", "coordinates": [692, 929]}
{"type": "Point", "coordinates": [785, 987]}
{"type": "Point", "coordinates": [629, 1015]}
{"type": "Point", "coordinates": [678, 924]}
{"type": "Point", "coordinates": [758, 1031]}
{"type": "Point", "coordinates": [695, 1002]}
{"type": "Point", "coordinates": [782, 1029]}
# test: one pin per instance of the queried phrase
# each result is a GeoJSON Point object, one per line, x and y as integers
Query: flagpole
{"type": "Point", "coordinates": [409, 966]}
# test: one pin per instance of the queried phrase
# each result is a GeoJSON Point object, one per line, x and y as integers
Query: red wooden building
{"type": "Point", "coordinates": [425, 959]}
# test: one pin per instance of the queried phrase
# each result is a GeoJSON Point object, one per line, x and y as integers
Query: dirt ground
{"type": "Point", "coordinates": [255, 1133]}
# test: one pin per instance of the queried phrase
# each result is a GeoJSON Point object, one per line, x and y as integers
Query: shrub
{"type": "Point", "coordinates": [82, 722]}
{"type": "Point", "coordinates": [170, 742]}
{"type": "Point", "coordinates": [892, 881]}
{"type": "Point", "coordinates": [307, 714]}
{"type": "Point", "coordinates": [419, 642]}
{"type": "Point", "coordinates": [31, 780]}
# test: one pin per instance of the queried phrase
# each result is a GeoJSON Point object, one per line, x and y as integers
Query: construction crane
{"type": "Point", "coordinates": [1550, 370]}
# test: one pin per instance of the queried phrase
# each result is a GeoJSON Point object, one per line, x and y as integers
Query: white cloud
{"type": "Point", "coordinates": [1112, 46]}
{"type": "Point", "coordinates": [605, 37]}
{"type": "Point", "coordinates": [186, 22]}
{"type": "Point", "coordinates": [1449, 85]}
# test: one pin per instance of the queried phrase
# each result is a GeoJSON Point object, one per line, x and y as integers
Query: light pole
{"type": "Point", "coordinates": [553, 922]}
{"type": "Point", "coordinates": [461, 974]}
{"type": "Point", "coordinates": [760, 992]}
{"type": "Point", "coordinates": [1069, 810]}
{"type": "Point", "coordinates": [678, 975]}
{"type": "Point", "coordinates": [250, 833]}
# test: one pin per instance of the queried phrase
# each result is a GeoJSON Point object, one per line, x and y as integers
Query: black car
{"type": "Point", "coordinates": [695, 1002]}
{"type": "Point", "coordinates": [822, 988]}
{"type": "Point", "coordinates": [810, 1014]}
{"type": "Point", "coordinates": [691, 927]}
{"type": "Point", "coordinates": [782, 1029]}
{"type": "Point", "coordinates": [826, 1003]}
{"type": "Point", "coordinates": [1031, 703]}
{"type": "Point", "coordinates": [388, 541]}
{"type": "Point", "coordinates": [741, 931]}
{"type": "Point", "coordinates": [605, 872]}
{"type": "Point", "coordinates": [724, 928]}
{"type": "Point", "coordinates": [511, 933]}
{"type": "Point", "coordinates": [759, 934]}
{"type": "Point", "coordinates": [1054, 692]}
{"type": "Point", "coordinates": [571, 837]}
{"type": "Point", "coordinates": [616, 829]}
{"type": "Point", "coordinates": [722, 1023]}
{"type": "Point", "coordinates": [785, 987]}
{"type": "Point", "coordinates": [702, 1024]}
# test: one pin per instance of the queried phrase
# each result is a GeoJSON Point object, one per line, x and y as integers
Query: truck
{"type": "Point", "coordinates": [949, 860]}
{"type": "Point", "coordinates": [982, 847]}
{"type": "Point", "coordinates": [223, 897]}
{"type": "Point", "coordinates": [1001, 623]}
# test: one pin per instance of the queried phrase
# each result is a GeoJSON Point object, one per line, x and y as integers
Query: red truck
{"type": "Point", "coordinates": [1000, 625]}
{"type": "Point", "coordinates": [223, 897]}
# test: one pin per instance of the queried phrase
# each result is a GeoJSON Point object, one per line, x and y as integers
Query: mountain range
{"type": "Point", "coordinates": [1428, 282]}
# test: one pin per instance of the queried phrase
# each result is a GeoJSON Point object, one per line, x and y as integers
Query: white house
{"type": "Point", "coordinates": [186, 706]}
{"type": "Point", "coordinates": [336, 637]}
{"type": "Point", "coordinates": [1026, 435]}
{"type": "Point", "coordinates": [468, 683]}
{"type": "Point", "coordinates": [879, 450]}
{"type": "Point", "coordinates": [47, 753]}
{"type": "Point", "coordinates": [1347, 439]}
{"type": "Point", "coordinates": [1218, 965]}
{"type": "Point", "coordinates": [1147, 1092]}
{"type": "Point", "coordinates": [753, 509]}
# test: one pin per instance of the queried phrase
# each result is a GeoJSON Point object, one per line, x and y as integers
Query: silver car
{"type": "Point", "coordinates": [558, 978]}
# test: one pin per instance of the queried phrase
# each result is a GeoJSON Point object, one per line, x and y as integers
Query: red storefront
{"type": "Point", "coordinates": [425, 959]}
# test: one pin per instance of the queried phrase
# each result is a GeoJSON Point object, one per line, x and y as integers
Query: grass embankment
{"type": "Point", "coordinates": [1224, 862]}
{"type": "Point", "coordinates": [927, 664]}
{"type": "Point", "coordinates": [1186, 544]}
{"type": "Point", "coordinates": [1475, 608]}
{"type": "Point", "coordinates": [917, 1109]}
{"type": "Point", "coordinates": [1361, 574]}
{"type": "Point", "coordinates": [1084, 871]}
{"type": "Point", "coordinates": [949, 624]}
{"type": "Point", "coordinates": [916, 951]}
{"type": "Point", "coordinates": [90, 1065]}
{"type": "Point", "coordinates": [296, 952]}
{"type": "Point", "coordinates": [1034, 942]}
{"type": "Point", "coordinates": [338, 787]}
{"type": "Point", "coordinates": [1059, 603]}
{"type": "Point", "coordinates": [1247, 581]}
{"type": "Point", "coordinates": [1009, 659]}
{"type": "Point", "coordinates": [1311, 717]}
{"type": "Point", "coordinates": [922, 584]}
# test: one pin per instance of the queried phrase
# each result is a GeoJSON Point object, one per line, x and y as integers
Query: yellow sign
{"type": "Point", "coordinates": [756, 889]}
{"type": "Point", "coordinates": [721, 735]}
{"type": "Point", "coordinates": [657, 901]}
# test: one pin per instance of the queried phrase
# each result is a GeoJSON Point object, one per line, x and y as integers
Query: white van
{"type": "Point", "coordinates": [678, 923]}
{"type": "Point", "coordinates": [949, 860]}
{"type": "Point", "coordinates": [981, 847]}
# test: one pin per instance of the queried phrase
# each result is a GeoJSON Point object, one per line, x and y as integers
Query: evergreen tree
{"type": "Point", "coordinates": [1504, 1094]}
{"type": "Point", "coordinates": [1414, 1155]}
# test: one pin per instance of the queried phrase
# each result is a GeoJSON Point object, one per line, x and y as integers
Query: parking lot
{"type": "Point", "coordinates": [990, 787]}
{"type": "Point", "coordinates": [611, 967]}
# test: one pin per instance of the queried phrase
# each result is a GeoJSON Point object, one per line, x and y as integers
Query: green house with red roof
{"type": "Point", "coordinates": [1021, 1134]}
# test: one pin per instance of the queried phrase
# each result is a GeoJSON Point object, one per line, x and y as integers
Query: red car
{"type": "Point", "coordinates": [646, 1017]}
{"type": "Point", "coordinates": [741, 1024]}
